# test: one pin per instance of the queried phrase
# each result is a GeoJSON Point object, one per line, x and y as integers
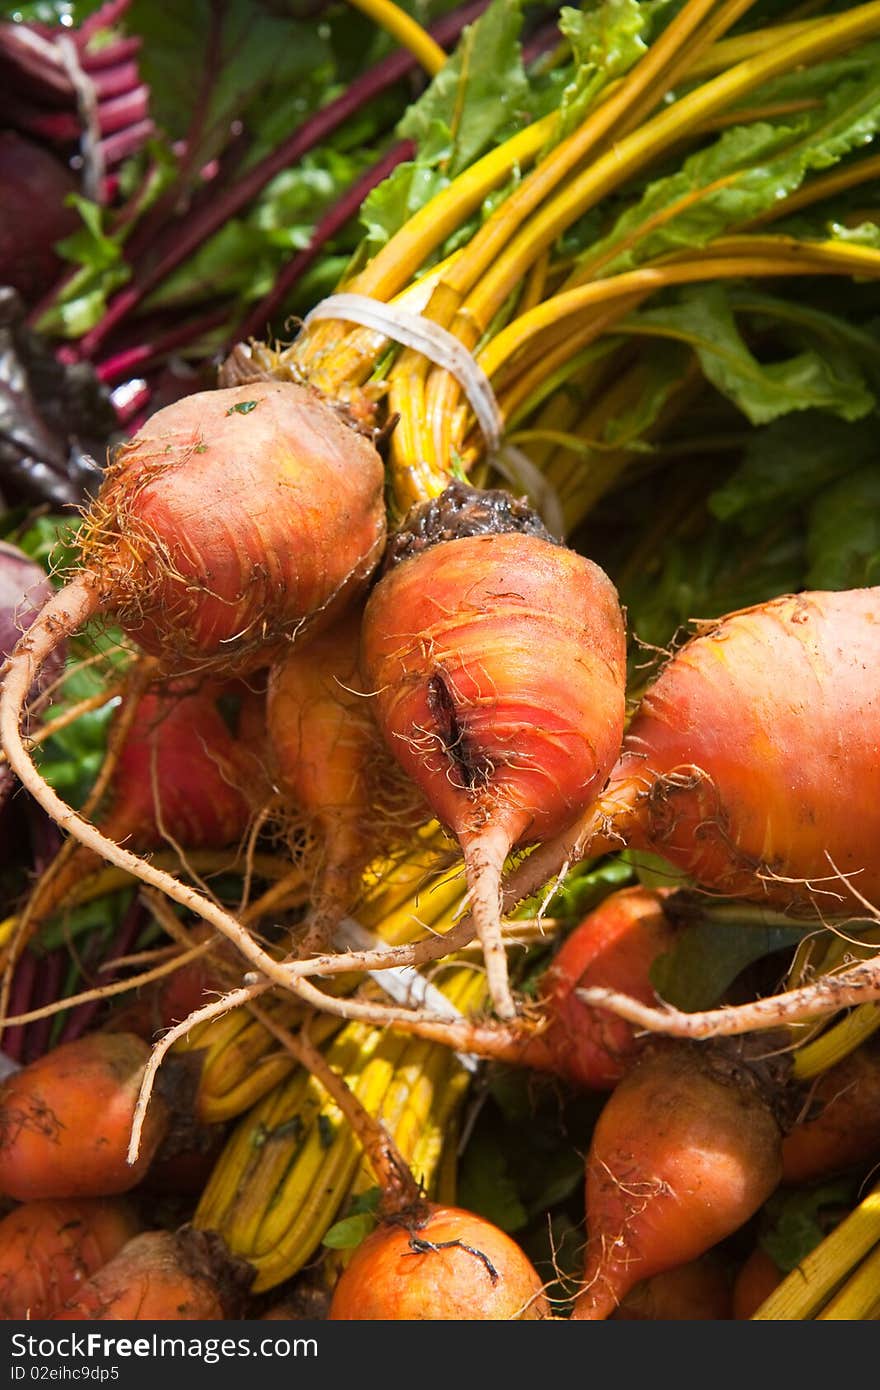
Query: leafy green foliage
{"type": "Point", "coordinates": [476, 99]}
{"type": "Point", "coordinates": [71, 758]}
{"type": "Point", "coordinates": [747, 170]}
{"type": "Point", "coordinates": [843, 543]}
{"type": "Point", "coordinates": [606, 41]}
{"type": "Point", "coordinates": [708, 956]}
{"type": "Point", "coordinates": [210, 64]}
{"type": "Point", "coordinates": [356, 1225]}
{"type": "Point", "coordinates": [476, 94]}
{"type": "Point", "coordinates": [829, 379]}
{"type": "Point", "coordinates": [523, 1169]}
{"type": "Point", "coordinates": [486, 1184]}
{"type": "Point", "coordinates": [795, 1221]}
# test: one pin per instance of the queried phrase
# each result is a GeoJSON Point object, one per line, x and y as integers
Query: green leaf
{"type": "Point", "coordinates": [349, 1232]}
{"type": "Point", "coordinates": [606, 41]}
{"type": "Point", "coordinates": [795, 1222]}
{"type": "Point", "coordinates": [393, 202]}
{"type": "Point", "coordinates": [707, 958]}
{"type": "Point", "coordinates": [843, 536]}
{"type": "Point", "coordinates": [763, 391]}
{"type": "Point", "coordinates": [367, 1201]}
{"type": "Point", "coordinates": [478, 92]}
{"type": "Point", "coordinates": [51, 541]}
{"type": "Point", "coordinates": [653, 871]}
{"type": "Point", "coordinates": [665, 368]}
{"type": "Point", "coordinates": [209, 65]}
{"type": "Point", "coordinates": [71, 759]}
{"type": "Point", "coordinates": [787, 463]}
{"type": "Point", "coordinates": [103, 914]}
{"type": "Point", "coordinates": [582, 890]}
{"type": "Point", "coordinates": [487, 1187]}
{"type": "Point", "coordinates": [746, 171]}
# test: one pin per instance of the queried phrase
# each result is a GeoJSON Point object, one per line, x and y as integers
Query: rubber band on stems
{"type": "Point", "coordinates": [443, 349]}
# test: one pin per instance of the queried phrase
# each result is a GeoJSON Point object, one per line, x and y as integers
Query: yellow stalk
{"type": "Point", "coordinates": [634, 151]}
{"type": "Point", "coordinates": [825, 186]}
{"type": "Point", "coordinates": [534, 235]}
{"type": "Point", "coordinates": [728, 52]}
{"type": "Point", "coordinates": [240, 1060]}
{"type": "Point", "coordinates": [398, 261]}
{"type": "Point", "coordinates": [407, 31]}
{"type": "Point", "coordinates": [290, 1164]}
{"type": "Point", "coordinates": [725, 259]}
{"type": "Point", "coordinates": [859, 1298]}
{"type": "Point", "coordinates": [808, 1287]}
{"type": "Point", "coordinates": [501, 253]}
{"type": "Point", "coordinates": [837, 1042]}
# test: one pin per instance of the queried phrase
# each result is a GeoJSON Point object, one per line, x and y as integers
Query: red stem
{"type": "Point", "coordinates": [118, 147]}
{"type": "Point", "coordinates": [333, 221]}
{"type": "Point", "coordinates": [112, 82]}
{"type": "Point", "coordinates": [80, 1019]}
{"type": "Point", "coordinates": [23, 982]}
{"type": "Point", "coordinates": [195, 229]}
{"type": "Point", "coordinates": [39, 1032]}
{"type": "Point", "coordinates": [130, 359]}
{"type": "Point", "coordinates": [121, 112]}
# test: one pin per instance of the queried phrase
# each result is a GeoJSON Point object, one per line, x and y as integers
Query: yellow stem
{"type": "Point", "coordinates": [634, 151]}
{"type": "Point", "coordinates": [836, 1042]}
{"type": "Point", "coordinates": [807, 1288]}
{"type": "Point", "coordinates": [734, 258]}
{"type": "Point", "coordinates": [502, 260]}
{"type": "Point", "coordinates": [859, 1298]}
{"type": "Point", "coordinates": [728, 52]}
{"type": "Point", "coordinates": [407, 31]}
{"type": "Point", "coordinates": [818, 189]}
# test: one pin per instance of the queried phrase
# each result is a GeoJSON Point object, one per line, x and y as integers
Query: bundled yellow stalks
{"type": "Point", "coordinates": [292, 1161]}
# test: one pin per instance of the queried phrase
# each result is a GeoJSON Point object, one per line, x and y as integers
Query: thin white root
{"type": "Point", "coordinates": [484, 858]}
{"type": "Point", "coordinates": [825, 996]}
{"type": "Point", "coordinates": [161, 1049]}
{"type": "Point", "coordinates": [422, 1021]}
{"type": "Point", "coordinates": [67, 611]}
{"type": "Point", "coordinates": [415, 954]}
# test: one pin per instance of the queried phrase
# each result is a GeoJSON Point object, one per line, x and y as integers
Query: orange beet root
{"type": "Point", "coordinates": [233, 517]}
{"type": "Point", "coordinates": [743, 760]}
{"type": "Point", "coordinates": [65, 1120]}
{"type": "Point", "coordinates": [164, 1276]}
{"type": "Point", "coordinates": [448, 1264]}
{"type": "Point", "coordinates": [698, 1291]}
{"type": "Point", "coordinates": [686, 1149]}
{"type": "Point", "coordinates": [498, 666]}
{"type": "Point", "coordinates": [49, 1248]}
{"type": "Point", "coordinates": [841, 1129]}
{"type": "Point", "coordinates": [615, 945]}
{"type": "Point", "coordinates": [331, 766]}
{"type": "Point", "coordinates": [755, 1281]}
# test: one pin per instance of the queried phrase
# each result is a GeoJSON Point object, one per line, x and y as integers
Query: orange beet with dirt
{"type": "Point", "coordinates": [160, 1276]}
{"type": "Point", "coordinates": [65, 1120]}
{"type": "Point", "coordinates": [497, 663]}
{"type": "Point", "coordinates": [753, 761]}
{"type": "Point", "coordinates": [686, 1149]}
{"type": "Point", "coordinates": [49, 1248]}
{"type": "Point", "coordinates": [841, 1127]}
{"type": "Point", "coordinates": [450, 1265]}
